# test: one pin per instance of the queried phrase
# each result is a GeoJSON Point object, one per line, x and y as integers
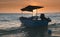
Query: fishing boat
{"type": "Point", "coordinates": [33, 20]}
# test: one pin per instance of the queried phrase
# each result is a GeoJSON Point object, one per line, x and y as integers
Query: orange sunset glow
{"type": "Point", "coordinates": [14, 6]}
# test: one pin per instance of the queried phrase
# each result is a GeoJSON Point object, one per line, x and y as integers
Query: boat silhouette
{"type": "Point", "coordinates": [33, 20]}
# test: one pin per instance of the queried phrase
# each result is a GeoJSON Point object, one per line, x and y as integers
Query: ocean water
{"type": "Point", "coordinates": [11, 22]}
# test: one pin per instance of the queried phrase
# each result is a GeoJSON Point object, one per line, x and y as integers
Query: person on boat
{"type": "Point", "coordinates": [42, 16]}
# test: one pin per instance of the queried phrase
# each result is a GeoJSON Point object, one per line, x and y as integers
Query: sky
{"type": "Point", "coordinates": [14, 6]}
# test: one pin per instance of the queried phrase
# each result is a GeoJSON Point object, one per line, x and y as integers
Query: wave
{"type": "Point", "coordinates": [11, 31]}
{"type": "Point", "coordinates": [4, 20]}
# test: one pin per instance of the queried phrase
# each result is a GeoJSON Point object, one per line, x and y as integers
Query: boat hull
{"type": "Point", "coordinates": [33, 23]}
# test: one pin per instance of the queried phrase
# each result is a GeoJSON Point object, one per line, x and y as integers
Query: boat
{"type": "Point", "coordinates": [33, 20]}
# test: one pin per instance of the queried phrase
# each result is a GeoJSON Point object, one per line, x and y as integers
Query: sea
{"type": "Point", "coordinates": [10, 25]}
